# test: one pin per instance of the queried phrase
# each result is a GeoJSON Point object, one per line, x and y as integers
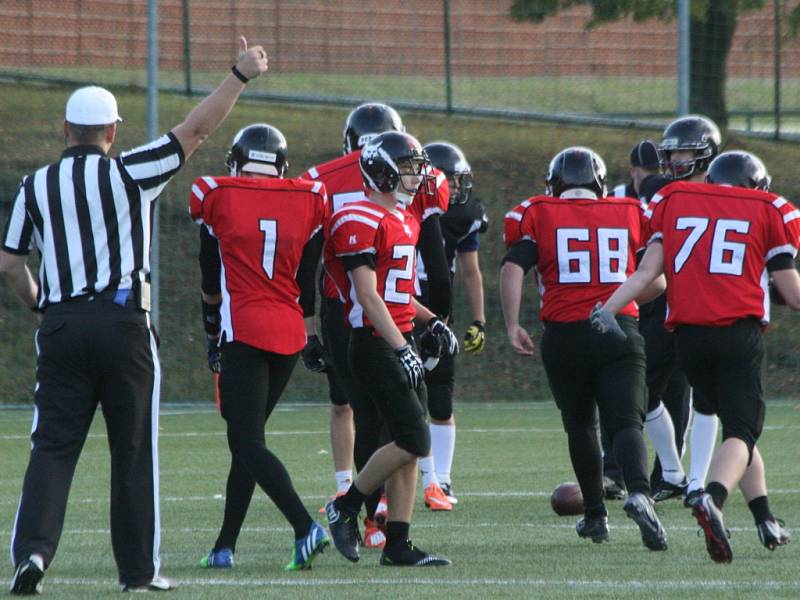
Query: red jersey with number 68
{"type": "Point", "coordinates": [391, 237]}
{"type": "Point", "coordinates": [262, 226]}
{"type": "Point", "coordinates": [587, 249]}
{"type": "Point", "coordinates": [717, 241]}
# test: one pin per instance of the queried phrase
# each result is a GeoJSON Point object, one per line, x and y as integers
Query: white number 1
{"type": "Point", "coordinates": [270, 229]}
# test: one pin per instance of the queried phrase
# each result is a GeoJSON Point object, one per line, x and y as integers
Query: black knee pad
{"type": "Point", "coordinates": [440, 383]}
{"type": "Point", "coordinates": [415, 438]}
{"type": "Point", "coordinates": [578, 421]}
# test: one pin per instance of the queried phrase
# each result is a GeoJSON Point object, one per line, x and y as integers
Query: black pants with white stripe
{"type": "Point", "coordinates": [94, 352]}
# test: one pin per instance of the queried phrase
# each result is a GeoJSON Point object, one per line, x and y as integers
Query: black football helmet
{"type": "Point", "coordinates": [696, 133]}
{"type": "Point", "coordinates": [395, 162]}
{"type": "Point", "coordinates": [258, 148]}
{"type": "Point", "coordinates": [576, 167]}
{"type": "Point", "coordinates": [450, 160]}
{"type": "Point", "coordinates": [740, 169]}
{"type": "Point", "coordinates": [366, 121]}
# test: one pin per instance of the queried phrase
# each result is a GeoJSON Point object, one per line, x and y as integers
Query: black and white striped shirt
{"type": "Point", "coordinates": [89, 216]}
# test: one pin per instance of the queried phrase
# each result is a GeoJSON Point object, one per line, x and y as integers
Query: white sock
{"type": "Point", "coordinates": [343, 480]}
{"type": "Point", "coordinates": [661, 432]}
{"type": "Point", "coordinates": [426, 467]}
{"type": "Point", "coordinates": [443, 446]}
{"type": "Point", "coordinates": [702, 439]}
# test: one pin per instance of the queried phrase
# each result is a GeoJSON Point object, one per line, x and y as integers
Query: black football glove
{"type": "Point", "coordinates": [475, 337]}
{"type": "Point", "coordinates": [412, 365]}
{"type": "Point", "coordinates": [214, 355]}
{"type": "Point", "coordinates": [314, 355]}
{"type": "Point", "coordinates": [604, 322]}
{"type": "Point", "coordinates": [448, 339]}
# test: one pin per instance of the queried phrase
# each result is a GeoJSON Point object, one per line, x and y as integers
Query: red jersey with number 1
{"type": "Point", "coordinates": [262, 226]}
{"type": "Point", "coordinates": [717, 241]}
{"type": "Point", "coordinates": [391, 237]}
{"type": "Point", "coordinates": [587, 249]}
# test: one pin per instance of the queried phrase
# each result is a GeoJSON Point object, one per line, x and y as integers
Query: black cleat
{"type": "Point", "coordinates": [596, 529]}
{"type": "Point", "coordinates": [709, 517]}
{"type": "Point", "coordinates": [613, 490]}
{"type": "Point", "coordinates": [666, 490]}
{"type": "Point", "coordinates": [408, 555]}
{"type": "Point", "coordinates": [693, 497]}
{"type": "Point", "coordinates": [27, 579]}
{"type": "Point", "coordinates": [773, 533]}
{"type": "Point", "coordinates": [344, 531]}
{"type": "Point", "coordinates": [641, 509]}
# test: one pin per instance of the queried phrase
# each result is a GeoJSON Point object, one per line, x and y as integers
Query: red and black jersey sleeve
{"type": "Point", "coordinates": [201, 200]}
{"type": "Point", "coordinates": [512, 222]}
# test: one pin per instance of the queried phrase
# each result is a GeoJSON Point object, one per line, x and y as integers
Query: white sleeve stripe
{"type": "Point", "coordinates": [369, 250]}
{"type": "Point", "coordinates": [365, 209]}
{"type": "Point", "coordinates": [212, 185]}
{"type": "Point", "coordinates": [657, 236]}
{"type": "Point", "coordinates": [198, 192]}
{"type": "Point", "coordinates": [350, 217]}
{"type": "Point", "coordinates": [526, 203]}
{"type": "Point", "coordinates": [313, 233]}
{"type": "Point", "coordinates": [313, 173]}
{"type": "Point", "coordinates": [656, 198]}
{"type": "Point", "coordinates": [795, 214]}
{"type": "Point", "coordinates": [317, 187]}
{"type": "Point", "coordinates": [435, 210]}
{"type": "Point", "coordinates": [785, 249]}
{"type": "Point", "coordinates": [648, 213]}
{"type": "Point", "coordinates": [440, 179]}
{"type": "Point", "coordinates": [529, 238]}
{"type": "Point", "coordinates": [514, 215]}
{"type": "Point", "coordinates": [778, 202]}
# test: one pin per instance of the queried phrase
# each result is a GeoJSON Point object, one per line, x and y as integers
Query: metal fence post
{"type": "Point", "coordinates": [152, 133]}
{"type": "Point", "coordinates": [187, 48]}
{"type": "Point", "coordinates": [684, 65]}
{"type": "Point", "coordinates": [447, 70]}
{"type": "Point", "coordinates": [776, 108]}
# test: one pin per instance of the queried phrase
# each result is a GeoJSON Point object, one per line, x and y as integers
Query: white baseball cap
{"type": "Point", "coordinates": [92, 105]}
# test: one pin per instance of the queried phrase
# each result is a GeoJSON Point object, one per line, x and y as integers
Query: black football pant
{"type": "Point", "coordinates": [90, 352]}
{"type": "Point", "coordinates": [336, 340]}
{"type": "Point", "coordinates": [591, 373]}
{"type": "Point", "coordinates": [251, 382]}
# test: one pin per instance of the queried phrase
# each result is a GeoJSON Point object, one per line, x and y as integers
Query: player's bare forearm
{"type": "Point", "coordinates": [214, 108]}
{"type": "Point", "coordinates": [787, 281]}
{"type": "Point", "coordinates": [651, 267]}
{"type": "Point", "coordinates": [15, 269]}
{"type": "Point", "coordinates": [653, 291]}
{"type": "Point", "coordinates": [511, 279]}
{"type": "Point", "coordinates": [365, 282]}
{"type": "Point", "coordinates": [470, 270]}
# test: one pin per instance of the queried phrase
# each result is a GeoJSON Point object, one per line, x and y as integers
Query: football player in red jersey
{"type": "Point", "coordinates": [369, 252]}
{"type": "Point", "coordinates": [344, 183]}
{"type": "Point", "coordinates": [583, 245]}
{"type": "Point", "coordinates": [717, 243]}
{"type": "Point", "coordinates": [268, 235]}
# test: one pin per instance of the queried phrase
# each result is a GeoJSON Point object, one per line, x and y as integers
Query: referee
{"type": "Point", "coordinates": [89, 217]}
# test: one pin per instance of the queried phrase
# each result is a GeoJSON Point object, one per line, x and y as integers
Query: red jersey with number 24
{"type": "Point", "coordinates": [717, 241]}
{"type": "Point", "coordinates": [262, 226]}
{"type": "Point", "coordinates": [391, 237]}
{"type": "Point", "coordinates": [587, 249]}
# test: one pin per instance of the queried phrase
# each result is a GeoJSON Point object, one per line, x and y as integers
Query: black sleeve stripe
{"type": "Point", "coordinates": [353, 261]}
{"type": "Point", "coordinates": [780, 262]}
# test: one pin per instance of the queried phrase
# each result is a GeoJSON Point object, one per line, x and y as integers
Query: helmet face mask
{"type": "Point", "coordinates": [576, 168]}
{"type": "Point", "coordinates": [696, 134]}
{"type": "Point", "coordinates": [739, 169]}
{"type": "Point", "coordinates": [450, 160]}
{"type": "Point", "coordinates": [259, 149]}
{"type": "Point", "coordinates": [395, 163]}
{"type": "Point", "coordinates": [367, 121]}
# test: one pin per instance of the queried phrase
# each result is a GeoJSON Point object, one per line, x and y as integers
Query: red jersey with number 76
{"type": "Point", "coordinates": [390, 236]}
{"type": "Point", "coordinates": [262, 226]}
{"type": "Point", "coordinates": [587, 249]}
{"type": "Point", "coordinates": [717, 241]}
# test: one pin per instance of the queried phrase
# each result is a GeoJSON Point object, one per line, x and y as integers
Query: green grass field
{"type": "Point", "coordinates": [502, 537]}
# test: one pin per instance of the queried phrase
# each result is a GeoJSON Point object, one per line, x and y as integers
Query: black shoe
{"type": "Point", "coordinates": [344, 531]}
{"type": "Point", "coordinates": [596, 529]}
{"type": "Point", "coordinates": [408, 555]}
{"type": "Point", "coordinates": [27, 579]}
{"type": "Point", "coordinates": [158, 584]}
{"type": "Point", "coordinates": [641, 509]}
{"type": "Point", "coordinates": [693, 497]}
{"type": "Point", "coordinates": [709, 517]}
{"type": "Point", "coordinates": [773, 533]}
{"type": "Point", "coordinates": [666, 490]}
{"type": "Point", "coordinates": [613, 490]}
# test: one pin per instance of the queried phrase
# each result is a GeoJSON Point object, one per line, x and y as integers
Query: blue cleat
{"type": "Point", "coordinates": [307, 548]}
{"type": "Point", "coordinates": [218, 559]}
